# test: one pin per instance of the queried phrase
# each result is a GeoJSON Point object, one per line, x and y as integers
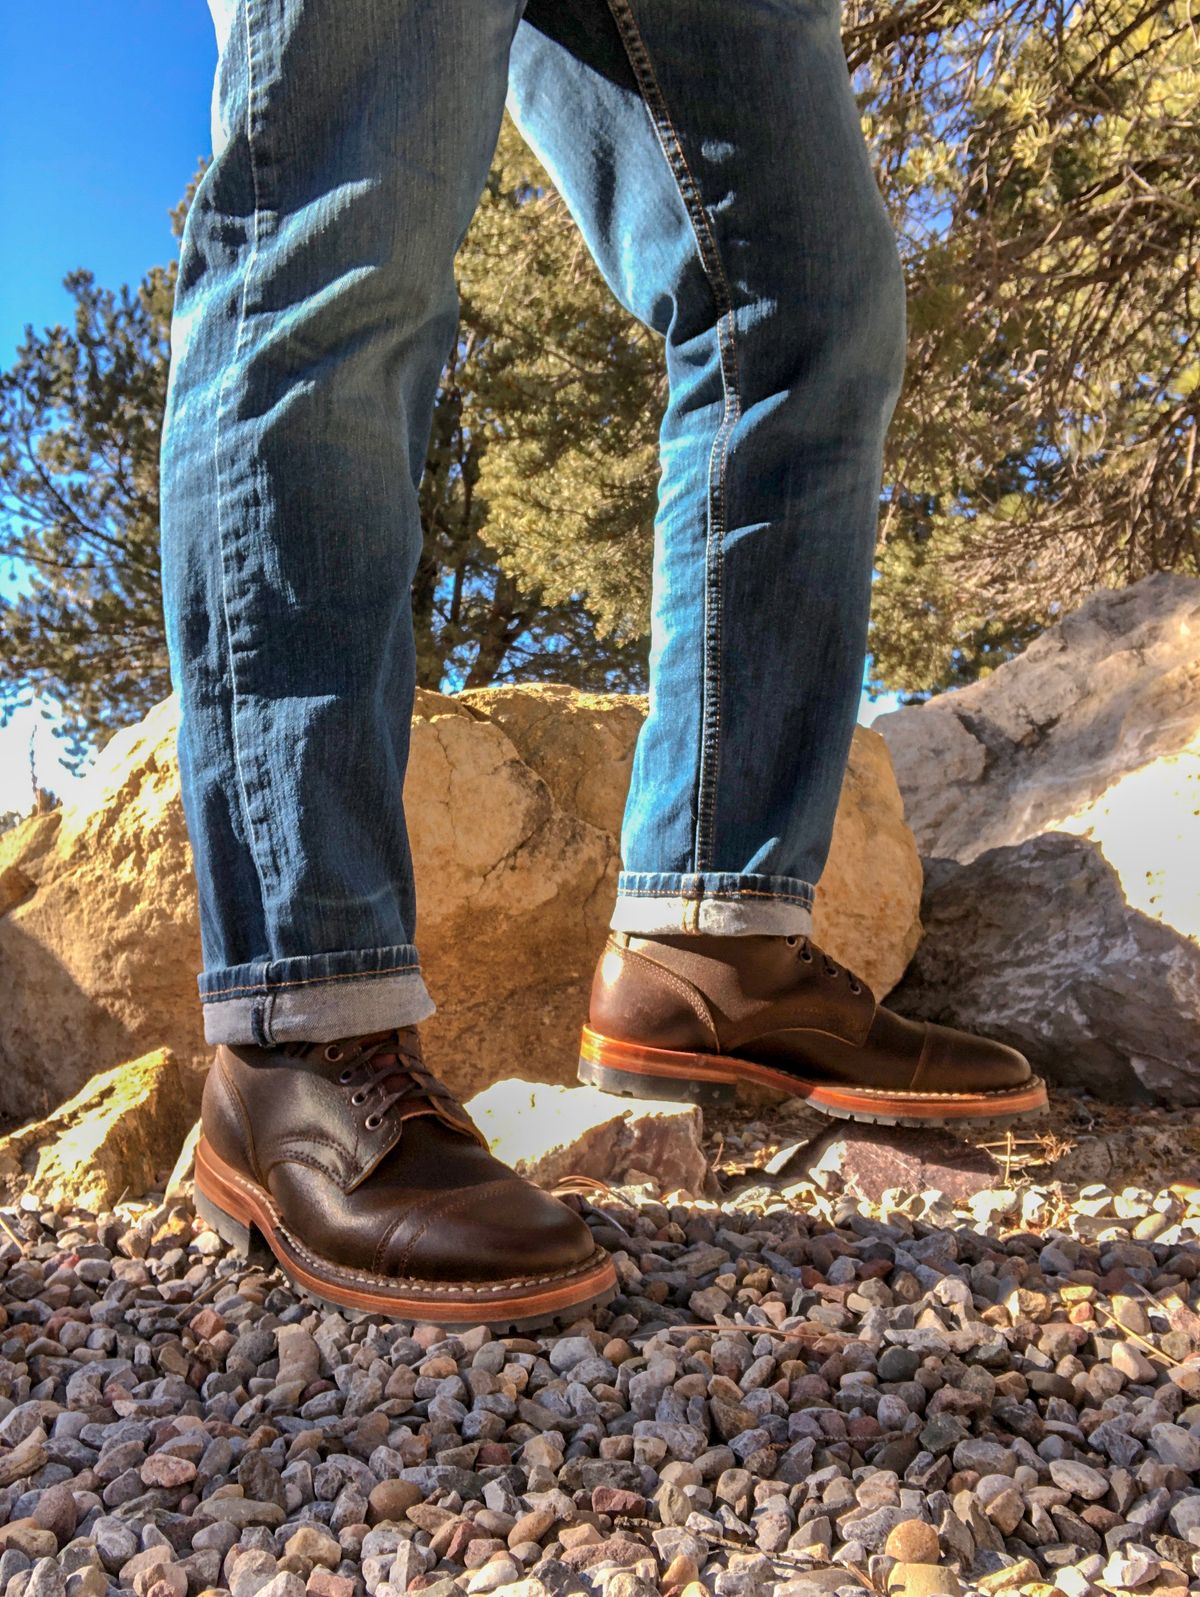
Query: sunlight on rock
{"type": "Point", "coordinates": [1148, 827]}
{"type": "Point", "coordinates": [115, 1137]}
{"type": "Point", "coordinates": [547, 1133]}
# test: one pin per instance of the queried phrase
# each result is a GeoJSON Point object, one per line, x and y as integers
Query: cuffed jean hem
{"type": "Point", "coordinates": [318, 998]}
{"type": "Point", "coordinates": [723, 904]}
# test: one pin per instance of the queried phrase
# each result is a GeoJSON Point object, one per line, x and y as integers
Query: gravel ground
{"type": "Point", "coordinates": [796, 1392]}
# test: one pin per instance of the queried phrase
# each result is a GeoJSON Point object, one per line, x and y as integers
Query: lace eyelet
{"type": "Point", "coordinates": [333, 1053]}
{"type": "Point", "coordinates": [373, 1122]}
{"type": "Point", "coordinates": [792, 940]}
{"type": "Point", "coordinates": [806, 957]}
{"type": "Point", "coordinates": [855, 987]}
{"type": "Point", "coordinates": [358, 1098]}
{"type": "Point", "coordinates": [344, 1078]}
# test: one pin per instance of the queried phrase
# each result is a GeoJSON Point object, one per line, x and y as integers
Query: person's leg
{"type": "Point", "coordinates": [726, 193]}
{"type": "Point", "coordinates": [314, 310]}
{"type": "Point", "coordinates": [729, 201]}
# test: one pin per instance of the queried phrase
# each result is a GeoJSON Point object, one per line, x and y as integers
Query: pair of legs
{"type": "Point", "coordinates": [713, 158]}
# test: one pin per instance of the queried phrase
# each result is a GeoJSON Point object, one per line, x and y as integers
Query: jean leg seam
{"type": "Point", "coordinates": [714, 896]}
{"type": "Point", "coordinates": [243, 794]}
{"type": "Point", "coordinates": [710, 259]}
{"type": "Point", "coordinates": [267, 985]}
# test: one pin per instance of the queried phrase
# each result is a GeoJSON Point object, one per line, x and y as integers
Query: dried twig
{"type": "Point", "coordinates": [739, 1545]}
{"type": "Point", "coordinates": [1136, 1336]}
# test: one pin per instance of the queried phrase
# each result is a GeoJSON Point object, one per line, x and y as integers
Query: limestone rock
{"type": "Point", "coordinates": [1057, 806]}
{"type": "Point", "coordinates": [547, 1132]}
{"type": "Point", "coordinates": [513, 797]}
{"type": "Point", "coordinates": [1037, 946]}
{"type": "Point", "coordinates": [1094, 729]}
{"type": "Point", "coordinates": [115, 1136]}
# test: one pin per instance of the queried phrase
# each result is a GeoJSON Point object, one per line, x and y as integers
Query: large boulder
{"type": "Point", "coordinates": [514, 800]}
{"type": "Point", "coordinates": [580, 744]}
{"type": "Point", "coordinates": [1038, 946]}
{"type": "Point", "coordinates": [98, 955]}
{"type": "Point", "coordinates": [1096, 721]}
{"type": "Point", "coordinates": [1056, 803]}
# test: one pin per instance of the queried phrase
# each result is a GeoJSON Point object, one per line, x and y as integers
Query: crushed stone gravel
{"type": "Point", "coordinates": [796, 1391]}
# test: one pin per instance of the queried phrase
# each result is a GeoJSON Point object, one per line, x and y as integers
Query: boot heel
{"type": "Point", "coordinates": [634, 1072]}
{"type": "Point", "coordinates": [237, 1234]}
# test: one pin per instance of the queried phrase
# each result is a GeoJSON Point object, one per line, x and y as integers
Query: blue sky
{"type": "Point", "coordinates": [106, 115]}
{"type": "Point", "coordinates": [105, 118]}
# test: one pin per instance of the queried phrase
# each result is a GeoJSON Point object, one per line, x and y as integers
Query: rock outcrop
{"type": "Point", "coordinates": [514, 799]}
{"type": "Point", "coordinates": [1057, 806]}
{"type": "Point", "coordinates": [117, 1137]}
{"type": "Point", "coordinates": [98, 956]}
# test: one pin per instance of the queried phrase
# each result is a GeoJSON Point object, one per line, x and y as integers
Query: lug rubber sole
{"type": "Point", "coordinates": [241, 1213]}
{"type": "Point", "coordinates": [634, 1071]}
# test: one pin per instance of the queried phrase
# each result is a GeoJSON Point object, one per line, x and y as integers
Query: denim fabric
{"type": "Point", "coordinates": [713, 158]}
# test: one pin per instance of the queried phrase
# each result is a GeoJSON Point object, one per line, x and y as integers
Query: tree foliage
{"type": "Point", "coordinates": [80, 416]}
{"type": "Point", "coordinates": [539, 494]}
{"type": "Point", "coordinates": [543, 354]}
{"type": "Point", "coordinates": [1041, 161]}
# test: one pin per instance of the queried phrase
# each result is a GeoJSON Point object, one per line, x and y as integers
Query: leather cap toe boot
{"type": "Point", "coordinates": [688, 1017]}
{"type": "Point", "coordinates": [376, 1192]}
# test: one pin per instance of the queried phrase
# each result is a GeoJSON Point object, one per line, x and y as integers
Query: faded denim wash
{"type": "Point", "coordinates": [712, 155]}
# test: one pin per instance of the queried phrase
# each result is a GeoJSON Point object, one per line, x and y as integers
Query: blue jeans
{"type": "Point", "coordinates": [712, 156]}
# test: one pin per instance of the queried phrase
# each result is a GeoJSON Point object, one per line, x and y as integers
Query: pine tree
{"type": "Point", "coordinates": [1041, 162]}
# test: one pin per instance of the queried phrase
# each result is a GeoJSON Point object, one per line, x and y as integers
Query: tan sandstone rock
{"type": "Point", "coordinates": [97, 964]}
{"type": "Point", "coordinates": [549, 1132]}
{"type": "Point", "coordinates": [513, 797]}
{"type": "Point", "coordinates": [872, 878]}
{"type": "Point", "coordinates": [114, 1137]}
{"type": "Point", "coordinates": [580, 744]}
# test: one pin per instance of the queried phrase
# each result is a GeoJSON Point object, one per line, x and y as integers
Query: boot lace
{"type": "Point", "coordinates": [386, 1069]}
{"type": "Point", "coordinates": [808, 951]}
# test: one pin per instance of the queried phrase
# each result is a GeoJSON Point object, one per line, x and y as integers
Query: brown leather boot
{"type": "Point", "coordinates": [688, 1017]}
{"type": "Point", "coordinates": [375, 1191]}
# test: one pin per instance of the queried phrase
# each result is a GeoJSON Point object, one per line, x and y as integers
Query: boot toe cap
{"type": "Point", "coordinates": [499, 1231]}
{"type": "Point", "coordinates": [960, 1062]}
